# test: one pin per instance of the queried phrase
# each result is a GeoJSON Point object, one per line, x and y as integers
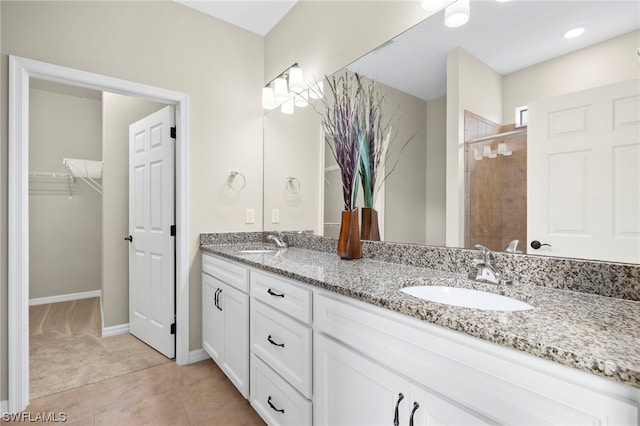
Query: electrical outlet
{"type": "Point", "coordinates": [249, 216]}
{"type": "Point", "coordinates": [275, 216]}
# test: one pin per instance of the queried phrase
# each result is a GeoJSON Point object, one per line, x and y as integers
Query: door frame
{"type": "Point", "coordinates": [20, 71]}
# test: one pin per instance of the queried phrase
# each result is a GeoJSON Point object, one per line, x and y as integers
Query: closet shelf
{"type": "Point", "coordinates": [87, 170]}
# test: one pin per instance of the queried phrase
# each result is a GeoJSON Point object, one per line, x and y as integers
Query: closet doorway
{"type": "Point", "coordinates": [21, 71]}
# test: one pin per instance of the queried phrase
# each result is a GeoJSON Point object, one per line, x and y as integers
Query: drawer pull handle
{"type": "Point", "coordinates": [218, 293]}
{"type": "Point", "coordinates": [275, 294]}
{"type": "Point", "coordinates": [415, 407]}
{"type": "Point", "coordinates": [279, 410]}
{"type": "Point", "coordinates": [396, 417]}
{"type": "Point", "coordinates": [274, 343]}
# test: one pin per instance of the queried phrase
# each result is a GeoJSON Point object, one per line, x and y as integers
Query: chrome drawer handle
{"type": "Point", "coordinates": [275, 294]}
{"type": "Point", "coordinates": [279, 410]}
{"type": "Point", "coordinates": [274, 343]}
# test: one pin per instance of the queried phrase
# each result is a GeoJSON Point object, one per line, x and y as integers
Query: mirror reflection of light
{"type": "Point", "coordinates": [573, 32]}
{"type": "Point", "coordinates": [457, 14]}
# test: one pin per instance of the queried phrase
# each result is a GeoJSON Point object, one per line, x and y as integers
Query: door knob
{"type": "Point", "coordinates": [129, 238]}
{"type": "Point", "coordinates": [535, 244]}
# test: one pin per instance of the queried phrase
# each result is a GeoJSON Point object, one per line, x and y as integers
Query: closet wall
{"type": "Point", "coordinates": [65, 240]}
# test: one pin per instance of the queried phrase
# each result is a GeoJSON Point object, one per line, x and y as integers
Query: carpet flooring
{"type": "Point", "coordinates": [67, 350]}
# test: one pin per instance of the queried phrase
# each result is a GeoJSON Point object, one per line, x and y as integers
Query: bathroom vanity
{"type": "Point", "coordinates": [328, 342]}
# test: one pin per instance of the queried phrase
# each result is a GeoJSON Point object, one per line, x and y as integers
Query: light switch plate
{"type": "Point", "coordinates": [249, 216]}
{"type": "Point", "coordinates": [275, 216]}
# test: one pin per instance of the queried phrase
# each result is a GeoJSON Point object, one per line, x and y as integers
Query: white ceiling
{"type": "Point", "coordinates": [257, 16]}
{"type": "Point", "coordinates": [506, 36]}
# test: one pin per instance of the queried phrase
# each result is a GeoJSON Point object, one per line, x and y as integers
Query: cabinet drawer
{"type": "Point", "coordinates": [226, 271]}
{"type": "Point", "coordinates": [274, 399]}
{"type": "Point", "coordinates": [284, 344]}
{"type": "Point", "coordinates": [284, 295]}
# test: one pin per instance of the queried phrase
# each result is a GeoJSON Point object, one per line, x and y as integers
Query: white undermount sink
{"type": "Point", "coordinates": [467, 298]}
{"type": "Point", "coordinates": [256, 251]}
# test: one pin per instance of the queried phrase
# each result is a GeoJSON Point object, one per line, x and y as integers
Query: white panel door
{"type": "Point", "coordinates": [583, 173]}
{"type": "Point", "coordinates": [151, 216]}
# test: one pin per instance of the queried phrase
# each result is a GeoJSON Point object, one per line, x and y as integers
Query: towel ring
{"type": "Point", "coordinates": [231, 181]}
{"type": "Point", "coordinates": [292, 185]}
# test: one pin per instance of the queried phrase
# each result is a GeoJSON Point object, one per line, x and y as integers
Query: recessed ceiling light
{"type": "Point", "coordinates": [457, 14]}
{"type": "Point", "coordinates": [573, 32]}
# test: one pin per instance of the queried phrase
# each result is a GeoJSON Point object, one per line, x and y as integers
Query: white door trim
{"type": "Point", "coordinates": [20, 71]}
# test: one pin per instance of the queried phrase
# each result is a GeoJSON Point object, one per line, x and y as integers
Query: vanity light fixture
{"type": "Point", "coordinates": [573, 32]}
{"type": "Point", "coordinates": [268, 98]}
{"type": "Point", "coordinates": [503, 1]}
{"type": "Point", "coordinates": [287, 107]}
{"type": "Point", "coordinates": [457, 14]}
{"type": "Point", "coordinates": [280, 89]}
{"type": "Point", "coordinates": [296, 81]}
{"type": "Point", "coordinates": [288, 90]}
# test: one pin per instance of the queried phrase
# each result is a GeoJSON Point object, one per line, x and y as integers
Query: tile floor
{"type": "Point", "coordinates": [197, 394]}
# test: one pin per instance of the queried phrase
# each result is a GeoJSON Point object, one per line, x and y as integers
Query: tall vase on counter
{"type": "Point", "coordinates": [341, 126]}
{"type": "Point", "coordinates": [349, 246]}
{"type": "Point", "coordinates": [370, 228]}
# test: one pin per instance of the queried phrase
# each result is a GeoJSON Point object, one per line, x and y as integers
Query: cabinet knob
{"type": "Point", "coordinates": [396, 417]}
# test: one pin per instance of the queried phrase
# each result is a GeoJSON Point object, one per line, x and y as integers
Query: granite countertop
{"type": "Point", "coordinates": [593, 333]}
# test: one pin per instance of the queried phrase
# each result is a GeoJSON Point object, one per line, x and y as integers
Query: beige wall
{"type": "Point", "coordinates": [604, 63]}
{"type": "Point", "coordinates": [436, 170]}
{"type": "Point", "coordinates": [65, 234]}
{"type": "Point", "coordinates": [167, 45]}
{"type": "Point", "coordinates": [293, 146]}
{"type": "Point", "coordinates": [118, 113]}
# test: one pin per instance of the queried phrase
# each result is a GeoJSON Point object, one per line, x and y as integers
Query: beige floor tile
{"type": "Point", "coordinates": [133, 387]}
{"type": "Point", "coordinates": [188, 375]}
{"type": "Point", "coordinates": [77, 404]}
{"type": "Point", "coordinates": [159, 409]}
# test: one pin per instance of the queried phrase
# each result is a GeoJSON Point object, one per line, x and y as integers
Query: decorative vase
{"type": "Point", "coordinates": [349, 240]}
{"type": "Point", "coordinates": [370, 230]}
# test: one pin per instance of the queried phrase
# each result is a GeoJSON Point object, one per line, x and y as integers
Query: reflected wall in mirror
{"type": "Point", "coordinates": [509, 55]}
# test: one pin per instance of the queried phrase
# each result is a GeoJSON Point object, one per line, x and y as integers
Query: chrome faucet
{"type": "Point", "coordinates": [278, 239]}
{"type": "Point", "coordinates": [512, 247]}
{"type": "Point", "coordinates": [485, 269]}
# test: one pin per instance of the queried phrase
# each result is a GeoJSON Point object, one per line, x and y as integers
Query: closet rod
{"type": "Point", "coordinates": [499, 136]}
{"type": "Point", "coordinates": [55, 175]}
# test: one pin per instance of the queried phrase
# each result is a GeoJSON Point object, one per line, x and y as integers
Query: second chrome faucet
{"type": "Point", "coordinates": [485, 270]}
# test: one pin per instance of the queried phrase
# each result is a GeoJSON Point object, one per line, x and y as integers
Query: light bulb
{"type": "Point", "coordinates": [296, 82]}
{"type": "Point", "coordinates": [280, 89]}
{"type": "Point", "coordinates": [457, 14]}
{"type": "Point", "coordinates": [287, 107]}
{"type": "Point", "coordinates": [573, 32]}
{"type": "Point", "coordinates": [268, 98]}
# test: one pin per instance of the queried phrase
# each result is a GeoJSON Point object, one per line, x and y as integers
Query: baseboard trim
{"type": "Point", "coordinates": [114, 330]}
{"type": "Point", "coordinates": [198, 355]}
{"type": "Point", "coordinates": [65, 297]}
{"type": "Point", "coordinates": [4, 407]}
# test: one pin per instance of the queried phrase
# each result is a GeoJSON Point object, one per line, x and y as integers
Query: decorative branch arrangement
{"type": "Point", "coordinates": [358, 135]}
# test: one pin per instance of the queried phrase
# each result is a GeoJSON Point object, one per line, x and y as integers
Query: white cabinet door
{"type": "Point", "coordinates": [234, 305]}
{"type": "Point", "coordinates": [352, 390]}
{"type": "Point", "coordinates": [225, 329]}
{"type": "Point", "coordinates": [212, 319]}
{"type": "Point", "coordinates": [428, 408]}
